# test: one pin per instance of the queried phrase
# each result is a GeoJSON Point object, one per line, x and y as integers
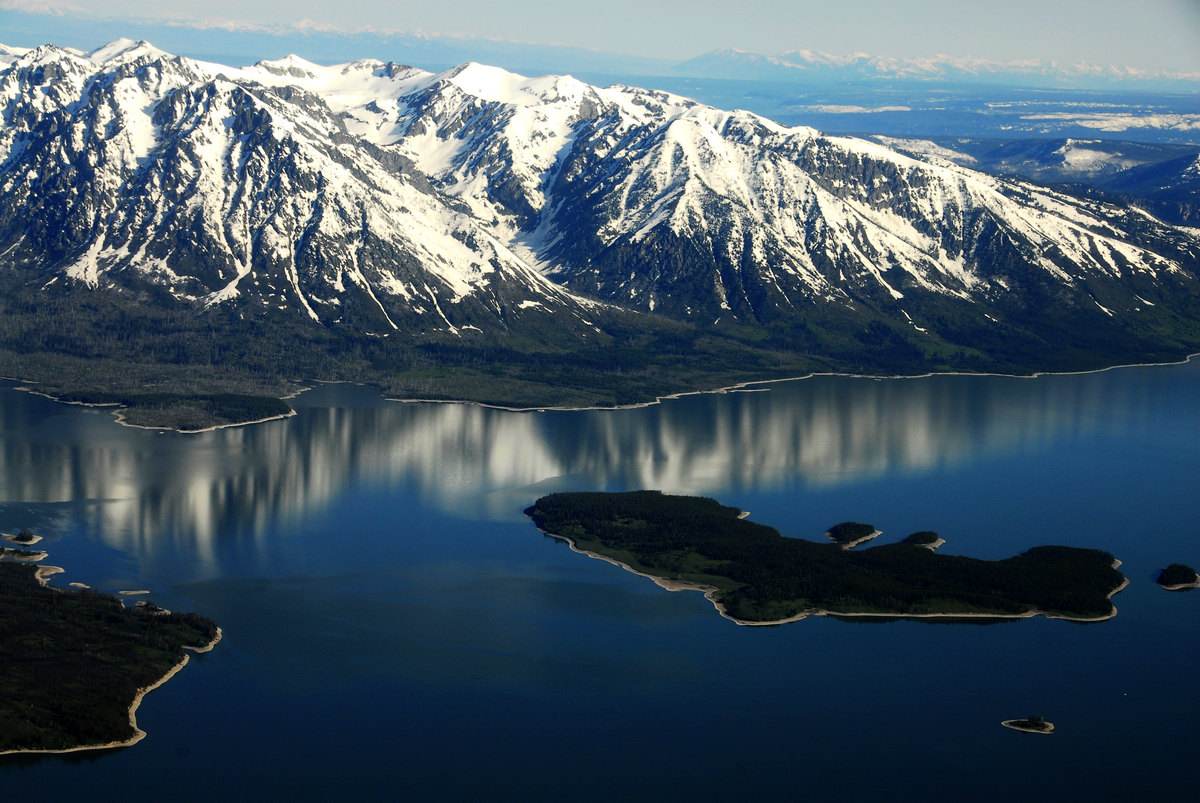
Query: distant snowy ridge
{"type": "Point", "coordinates": [803, 63]}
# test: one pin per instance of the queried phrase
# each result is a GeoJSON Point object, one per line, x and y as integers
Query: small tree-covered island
{"type": "Point", "coordinates": [75, 664]}
{"type": "Point", "coordinates": [24, 538]}
{"type": "Point", "coordinates": [1034, 724]}
{"type": "Point", "coordinates": [850, 534]}
{"type": "Point", "coordinates": [754, 575]}
{"type": "Point", "coordinates": [1178, 577]}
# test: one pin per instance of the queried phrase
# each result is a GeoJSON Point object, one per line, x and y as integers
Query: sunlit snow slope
{"type": "Point", "coordinates": [387, 198]}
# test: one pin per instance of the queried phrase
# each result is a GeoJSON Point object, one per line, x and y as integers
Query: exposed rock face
{"type": "Point", "coordinates": [161, 176]}
{"type": "Point", "coordinates": [383, 198]}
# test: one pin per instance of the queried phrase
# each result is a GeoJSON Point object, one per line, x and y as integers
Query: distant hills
{"type": "Point", "coordinates": [815, 66]}
{"type": "Point", "coordinates": [1159, 177]}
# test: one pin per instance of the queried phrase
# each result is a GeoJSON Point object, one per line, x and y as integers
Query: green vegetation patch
{"type": "Point", "coordinates": [71, 662]}
{"type": "Point", "coordinates": [761, 576]}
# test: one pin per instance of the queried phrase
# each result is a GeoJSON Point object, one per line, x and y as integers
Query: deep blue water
{"type": "Point", "coordinates": [395, 628]}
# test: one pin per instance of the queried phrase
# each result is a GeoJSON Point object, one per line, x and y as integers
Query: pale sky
{"type": "Point", "coordinates": [1152, 34]}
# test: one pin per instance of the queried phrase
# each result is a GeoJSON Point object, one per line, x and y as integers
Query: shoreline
{"type": "Point", "coordinates": [1012, 724]}
{"type": "Point", "coordinates": [710, 593]}
{"type": "Point", "coordinates": [118, 409]}
{"type": "Point", "coordinates": [12, 539]}
{"type": "Point", "coordinates": [1180, 586]}
{"type": "Point", "coordinates": [138, 733]}
{"type": "Point", "coordinates": [17, 556]}
{"type": "Point", "coordinates": [750, 385]}
{"type": "Point", "coordinates": [120, 419]}
{"type": "Point", "coordinates": [42, 575]}
{"type": "Point", "coordinates": [871, 536]}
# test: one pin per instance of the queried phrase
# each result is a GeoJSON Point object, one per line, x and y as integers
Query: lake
{"type": "Point", "coordinates": [396, 628]}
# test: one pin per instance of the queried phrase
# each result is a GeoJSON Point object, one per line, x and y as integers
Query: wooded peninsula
{"type": "Point", "coordinates": [76, 663]}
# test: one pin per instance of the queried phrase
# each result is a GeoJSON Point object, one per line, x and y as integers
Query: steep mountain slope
{"type": "Point", "coordinates": [365, 200]}
{"type": "Point", "coordinates": [659, 203]}
{"type": "Point", "coordinates": [1170, 188]}
{"type": "Point", "coordinates": [655, 202]}
{"type": "Point", "coordinates": [134, 169]}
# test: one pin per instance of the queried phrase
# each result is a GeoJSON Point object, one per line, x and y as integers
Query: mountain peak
{"type": "Point", "coordinates": [124, 49]}
{"type": "Point", "coordinates": [291, 65]}
{"type": "Point", "coordinates": [497, 85]}
{"type": "Point", "coordinates": [486, 82]}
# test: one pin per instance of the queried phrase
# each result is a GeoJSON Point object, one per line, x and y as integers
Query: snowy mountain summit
{"type": "Point", "coordinates": [377, 198]}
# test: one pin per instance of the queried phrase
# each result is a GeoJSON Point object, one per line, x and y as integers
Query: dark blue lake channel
{"type": "Point", "coordinates": [396, 629]}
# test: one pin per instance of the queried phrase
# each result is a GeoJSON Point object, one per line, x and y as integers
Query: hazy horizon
{"type": "Point", "coordinates": [1098, 32]}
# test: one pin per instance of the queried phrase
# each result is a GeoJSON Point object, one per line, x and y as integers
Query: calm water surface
{"type": "Point", "coordinates": [395, 628]}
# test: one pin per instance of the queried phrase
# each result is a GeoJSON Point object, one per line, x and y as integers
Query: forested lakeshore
{"type": "Point", "coordinates": [180, 366]}
{"type": "Point", "coordinates": [756, 575]}
{"type": "Point", "coordinates": [73, 662]}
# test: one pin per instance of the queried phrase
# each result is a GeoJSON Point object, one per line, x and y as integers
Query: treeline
{"type": "Point", "coordinates": [72, 661]}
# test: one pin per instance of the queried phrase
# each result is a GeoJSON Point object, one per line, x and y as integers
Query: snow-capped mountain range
{"type": "Point", "coordinates": [476, 202]}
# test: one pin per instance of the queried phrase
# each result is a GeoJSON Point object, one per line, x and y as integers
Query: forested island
{"type": "Point", "coordinates": [925, 538]}
{"type": "Point", "coordinates": [850, 534]}
{"type": "Point", "coordinates": [1178, 577]}
{"type": "Point", "coordinates": [754, 575]}
{"type": "Point", "coordinates": [74, 664]}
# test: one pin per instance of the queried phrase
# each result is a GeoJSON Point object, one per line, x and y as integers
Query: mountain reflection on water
{"type": "Point", "coordinates": [148, 490]}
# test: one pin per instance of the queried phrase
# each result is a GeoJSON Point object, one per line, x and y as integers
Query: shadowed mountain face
{"type": "Point", "coordinates": [376, 199]}
{"type": "Point", "coordinates": [1170, 189]}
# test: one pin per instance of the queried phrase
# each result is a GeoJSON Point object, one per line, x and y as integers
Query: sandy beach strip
{"type": "Point", "coordinates": [851, 544]}
{"type": "Point", "coordinates": [1013, 724]}
{"type": "Point", "coordinates": [120, 419]}
{"type": "Point", "coordinates": [16, 556]}
{"type": "Point", "coordinates": [13, 538]}
{"type": "Point", "coordinates": [44, 573]}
